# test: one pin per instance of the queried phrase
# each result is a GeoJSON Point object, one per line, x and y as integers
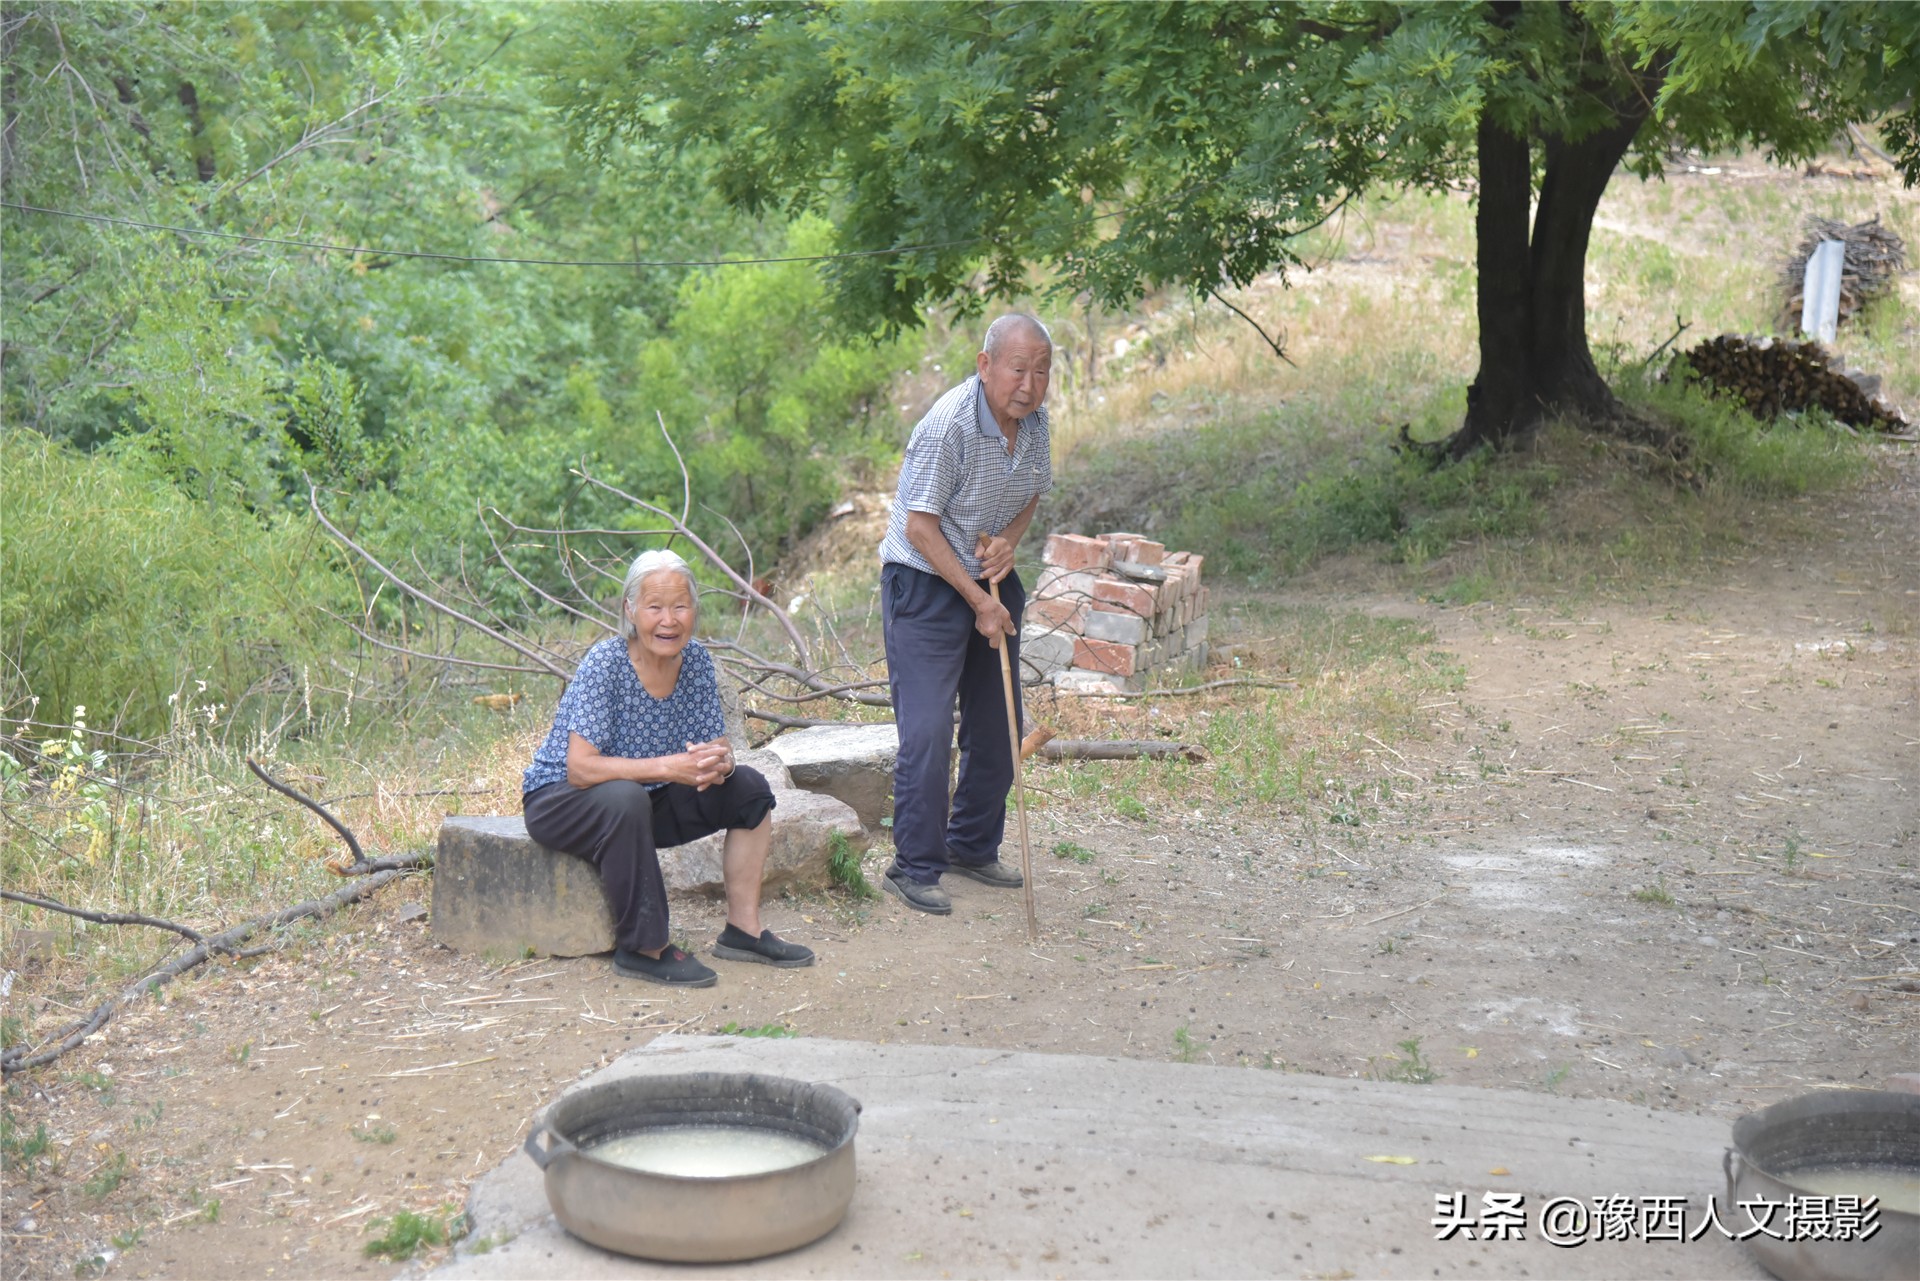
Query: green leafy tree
{"type": "Point", "coordinates": [169, 356]}
{"type": "Point", "coordinates": [774, 413]}
{"type": "Point", "coordinates": [1128, 146]}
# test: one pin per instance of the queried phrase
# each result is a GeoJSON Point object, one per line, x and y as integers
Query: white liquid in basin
{"type": "Point", "coordinates": [708, 1151]}
{"type": "Point", "coordinates": [1898, 1187]}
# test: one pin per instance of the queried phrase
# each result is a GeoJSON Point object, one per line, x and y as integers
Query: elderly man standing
{"type": "Point", "coordinates": [975, 469]}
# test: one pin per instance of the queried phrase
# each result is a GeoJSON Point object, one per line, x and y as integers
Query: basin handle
{"type": "Point", "coordinates": [555, 1146]}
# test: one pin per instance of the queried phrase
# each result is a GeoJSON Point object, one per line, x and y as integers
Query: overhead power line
{"type": "Point", "coordinates": [322, 247]}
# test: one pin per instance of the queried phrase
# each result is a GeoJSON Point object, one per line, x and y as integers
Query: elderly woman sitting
{"type": "Point", "coordinates": [637, 760]}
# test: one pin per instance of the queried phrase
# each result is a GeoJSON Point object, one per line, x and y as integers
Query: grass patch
{"type": "Point", "coordinates": [1267, 495]}
{"type": "Point", "coordinates": [406, 1233]}
{"type": "Point", "coordinates": [18, 1149]}
{"type": "Point", "coordinates": [844, 870]}
{"type": "Point", "coordinates": [1657, 894]}
{"type": "Point", "coordinates": [772, 1031]}
{"type": "Point", "coordinates": [108, 1177]}
{"type": "Point", "coordinates": [1409, 1066]}
{"type": "Point", "coordinates": [1078, 853]}
{"type": "Point", "coordinates": [1185, 1048]}
{"type": "Point", "coordinates": [1746, 458]}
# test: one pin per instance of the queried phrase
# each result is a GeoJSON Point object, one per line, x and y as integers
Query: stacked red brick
{"type": "Point", "coordinates": [1109, 610]}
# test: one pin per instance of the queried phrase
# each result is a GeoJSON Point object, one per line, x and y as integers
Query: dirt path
{"type": "Point", "coordinates": [1661, 850]}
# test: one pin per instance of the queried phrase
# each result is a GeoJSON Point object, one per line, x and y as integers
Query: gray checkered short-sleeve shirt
{"type": "Point", "coordinates": [957, 468]}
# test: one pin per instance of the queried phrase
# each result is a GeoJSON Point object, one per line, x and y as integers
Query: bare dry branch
{"type": "Point", "coordinates": [500, 555]}
{"type": "Point", "coordinates": [1121, 749]}
{"type": "Point", "coordinates": [353, 842]}
{"type": "Point", "coordinates": [686, 479]}
{"type": "Point", "coordinates": [22, 1057]}
{"type": "Point", "coordinates": [787, 722]}
{"type": "Point", "coordinates": [1278, 350]}
{"type": "Point", "coordinates": [552, 669]}
{"type": "Point", "coordinates": [370, 638]}
{"type": "Point", "coordinates": [813, 695]}
{"type": "Point", "coordinates": [1174, 693]}
{"type": "Point", "coordinates": [786, 622]}
{"type": "Point", "coordinates": [804, 678]}
{"type": "Point", "coordinates": [103, 918]}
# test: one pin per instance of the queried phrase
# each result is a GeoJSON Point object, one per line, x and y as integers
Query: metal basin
{"type": "Point", "coordinates": [688, 1219]}
{"type": "Point", "coordinates": [1825, 1130]}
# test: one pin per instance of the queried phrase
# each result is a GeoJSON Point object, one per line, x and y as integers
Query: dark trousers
{"type": "Point", "coordinates": [935, 655]}
{"type": "Point", "coordinates": [620, 826]}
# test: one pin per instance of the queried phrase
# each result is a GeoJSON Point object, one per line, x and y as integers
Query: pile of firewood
{"type": "Point", "coordinates": [1775, 376]}
{"type": "Point", "coordinates": [1876, 256]}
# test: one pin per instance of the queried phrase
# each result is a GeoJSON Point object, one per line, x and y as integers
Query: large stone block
{"type": "Point", "coordinates": [771, 767]}
{"type": "Point", "coordinates": [732, 718]}
{"type": "Point", "coordinates": [495, 890]}
{"type": "Point", "coordinates": [851, 762]}
{"type": "Point", "coordinates": [804, 824]}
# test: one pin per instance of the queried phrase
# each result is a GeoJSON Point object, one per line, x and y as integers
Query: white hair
{"type": "Point", "coordinates": [645, 565]}
{"type": "Point", "coordinates": [1013, 324]}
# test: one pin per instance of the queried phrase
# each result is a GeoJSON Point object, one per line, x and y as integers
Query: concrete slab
{"type": "Point", "coordinates": [991, 1163]}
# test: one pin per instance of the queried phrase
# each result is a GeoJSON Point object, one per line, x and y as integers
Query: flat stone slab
{"type": "Point", "coordinates": [852, 762]}
{"type": "Point", "coordinates": [496, 891]}
{"type": "Point", "coordinates": [976, 1163]}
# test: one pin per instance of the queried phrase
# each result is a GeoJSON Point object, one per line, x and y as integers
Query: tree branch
{"type": "Point", "coordinates": [353, 843]}
{"type": "Point", "coordinates": [1122, 749]}
{"type": "Point", "coordinates": [103, 918]}
{"type": "Point", "coordinates": [680, 528]}
{"type": "Point", "coordinates": [1277, 349]}
{"type": "Point", "coordinates": [371, 639]}
{"type": "Point", "coordinates": [21, 1057]}
{"type": "Point", "coordinates": [313, 501]}
{"type": "Point", "coordinates": [1174, 693]}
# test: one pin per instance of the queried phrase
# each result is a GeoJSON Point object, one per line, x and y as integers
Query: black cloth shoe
{"type": "Point", "coordinates": [735, 944]}
{"type": "Point", "coordinates": [921, 898]}
{"type": "Point", "coordinates": [672, 968]}
{"type": "Point", "coordinates": [996, 874]}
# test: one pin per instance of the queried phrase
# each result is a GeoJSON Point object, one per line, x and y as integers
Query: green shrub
{"type": "Point", "coordinates": [118, 592]}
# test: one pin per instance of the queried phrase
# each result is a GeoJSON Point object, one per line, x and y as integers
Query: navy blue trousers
{"type": "Point", "coordinates": [934, 657]}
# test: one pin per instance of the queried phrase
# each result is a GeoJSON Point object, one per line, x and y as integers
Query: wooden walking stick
{"type": "Point", "coordinates": [1019, 771]}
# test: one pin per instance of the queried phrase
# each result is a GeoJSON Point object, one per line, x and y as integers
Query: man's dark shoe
{"type": "Point", "coordinates": [995, 873]}
{"type": "Point", "coordinates": [735, 944]}
{"type": "Point", "coordinates": [921, 898]}
{"type": "Point", "coordinates": [672, 968]}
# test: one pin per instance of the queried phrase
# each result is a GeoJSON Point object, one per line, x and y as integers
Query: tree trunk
{"type": "Point", "coordinates": [1532, 298]}
{"type": "Point", "coordinates": [197, 140]}
{"type": "Point", "coordinates": [1501, 401]}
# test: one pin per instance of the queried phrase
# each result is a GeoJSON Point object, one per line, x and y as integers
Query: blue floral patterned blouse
{"type": "Point", "coordinates": [606, 704]}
